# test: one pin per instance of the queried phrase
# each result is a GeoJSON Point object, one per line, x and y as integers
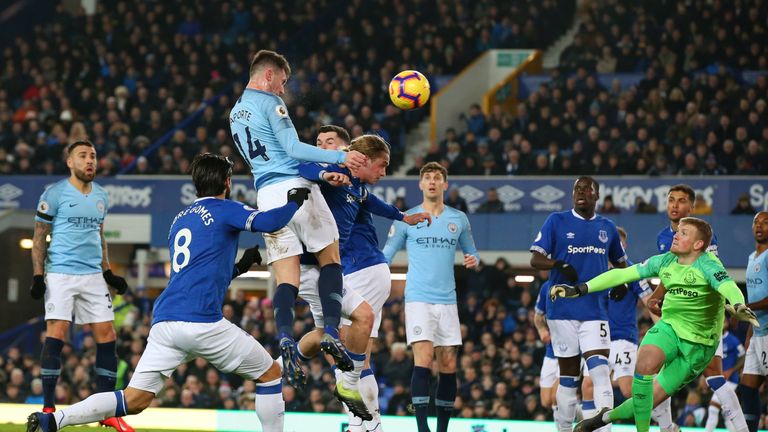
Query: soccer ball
{"type": "Point", "coordinates": [409, 89]}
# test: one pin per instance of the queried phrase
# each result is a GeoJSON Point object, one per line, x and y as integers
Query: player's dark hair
{"type": "Point", "coordinates": [591, 179]}
{"type": "Point", "coordinates": [433, 167]}
{"type": "Point", "coordinates": [340, 131]}
{"type": "Point", "coordinates": [268, 58]}
{"type": "Point", "coordinates": [702, 227]}
{"type": "Point", "coordinates": [372, 146]}
{"type": "Point", "coordinates": [77, 144]}
{"type": "Point", "coordinates": [210, 173]}
{"type": "Point", "coordinates": [685, 189]}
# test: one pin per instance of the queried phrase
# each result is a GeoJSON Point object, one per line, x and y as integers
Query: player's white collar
{"type": "Point", "coordinates": [204, 198]}
{"type": "Point", "coordinates": [573, 212]}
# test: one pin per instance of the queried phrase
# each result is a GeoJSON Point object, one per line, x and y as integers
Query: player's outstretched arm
{"type": "Point", "coordinates": [324, 172]}
{"type": "Point", "coordinates": [396, 240]}
{"type": "Point", "coordinates": [604, 281]}
{"type": "Point", "coordinates": [277, 218]}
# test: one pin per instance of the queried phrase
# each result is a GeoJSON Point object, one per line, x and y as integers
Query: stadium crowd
{"type": "Point", "coordinates": [692, 113]}
{"type": "Point", "coordinates": [133, 72]}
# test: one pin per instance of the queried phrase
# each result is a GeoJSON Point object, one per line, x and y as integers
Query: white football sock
{"type": "Point", "coordinates": [270, 406]}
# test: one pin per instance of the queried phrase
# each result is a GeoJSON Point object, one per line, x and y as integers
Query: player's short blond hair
{"type": "Point", "coordinates": [265, 58]}
{"type": "Point", "coordinates": [372, 146]}
{"type": "Point", "coordinates": [703, 229]}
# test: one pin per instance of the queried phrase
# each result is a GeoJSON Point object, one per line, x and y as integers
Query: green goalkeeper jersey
{"type": "Point", "coordinates": [694, 302]}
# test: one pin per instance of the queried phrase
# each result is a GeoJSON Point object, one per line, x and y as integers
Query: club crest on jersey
{"type": "Point", "coordinates": [757, 267]}
{"type": "Point", "coordinates": [603, 236]}
{"type": "Point", "coordinates": [689, 278]}
{"type": "Point", "coordinates": [281, 111]}
{"type": "Point", "coordinates": [100, 205]}
{"type": "Point", "coordinates": [452, 228]}
{"type": "Point", "coordinates": [391, 231]}
{"type": "Point", "coordinates": [43, 207]}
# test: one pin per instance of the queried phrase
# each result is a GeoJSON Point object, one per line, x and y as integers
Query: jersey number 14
{"type": "Point", "coordinates": [255, 147]}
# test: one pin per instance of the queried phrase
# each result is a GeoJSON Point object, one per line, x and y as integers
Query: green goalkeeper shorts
{"type": "Point", "coordinates": [684, 360]}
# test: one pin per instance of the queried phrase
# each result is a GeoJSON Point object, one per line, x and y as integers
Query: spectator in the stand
{"type": "Point", "coordinates": [401, 204]}
{"type": "Point", "coordinates": [643, 207]}
{"type": "Point", "coordinates": [418, 162]}
{"type": "Point", "coordinates": [512, 165]}
{"type": "Point", "coordinates": [455, 200]}
{"type": "Point", "coordinates": [492, 203]}
{"type": "Point", "coordinates": [608, 207]}
{"type": "Point", "coordinates": [701, 206]}
{"type": "Point", "coordinates": [743, 206]}
{"type": "Point", "coordinates": [475, 120]}
{"type": "Point", "coordinates": [400, 364]}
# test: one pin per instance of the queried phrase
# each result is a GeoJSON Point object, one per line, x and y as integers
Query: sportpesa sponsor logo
{"type": "Point", "coordinates": [683, 292]}
{"type": "Point", "coordinates": [586, 250]}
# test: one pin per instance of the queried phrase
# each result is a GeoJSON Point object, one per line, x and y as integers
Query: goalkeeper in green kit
{"type": "Point", "coordinates": [680, 345]}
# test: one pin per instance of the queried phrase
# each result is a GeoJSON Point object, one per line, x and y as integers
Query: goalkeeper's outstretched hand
{"type": "Point", "coordinates": [567, 291]}
{"type": "Point", "coordinates": [618, 292]}
{"type": "Point", "coordinates": [742, 313]}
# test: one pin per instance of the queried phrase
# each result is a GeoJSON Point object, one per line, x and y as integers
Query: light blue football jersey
{"type": "Point", "coordinates": [757, 287]}
{"type": "Point", "coordinates": [76, 220]}
{"type": "Point", "coordinates": [431, 252]}
{"type": "Point", "coordinates": [264, 135]}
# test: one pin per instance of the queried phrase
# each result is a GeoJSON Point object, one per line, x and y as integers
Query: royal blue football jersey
{"type": "Point", "coordinates": [352, 207]}
{"type": "Point", "coordinates": [733, 350]}
{"type": "Point", "coordinates": [587, 245]}
{"type": "Point", "coordinates": [203, 244]}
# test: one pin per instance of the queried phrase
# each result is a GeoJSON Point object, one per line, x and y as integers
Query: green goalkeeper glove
{"type": "Point", "coordinates": [742, 313]}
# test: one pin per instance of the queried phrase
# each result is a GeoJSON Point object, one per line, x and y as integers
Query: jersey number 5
{"type": "Point", "coordinates": [181, 249]}
{"type": "Point", "coordinates": [255, 147]}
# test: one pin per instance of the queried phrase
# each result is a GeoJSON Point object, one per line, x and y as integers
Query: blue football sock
{"type": "Point", "coordinates": [330, 289]}
{"type": "Point", "coordinates": [444, 398]}
{"type": "Point", "coordinates": [283, 302]}
{"type": "Point", "coordinates": [106, 367]}
{"type": "Point", "coordinates": [50, 369]}
{"type": "Point", "coordinates": [420, 395]}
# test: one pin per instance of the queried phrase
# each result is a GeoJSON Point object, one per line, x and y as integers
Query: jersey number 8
{"type": "Point", "coordinates": [181, 248]}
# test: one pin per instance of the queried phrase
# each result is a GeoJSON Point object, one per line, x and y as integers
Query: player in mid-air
{"type": "Point", "coordinates": [680, 201]}
{"type": "Point", "coordinates": [366, 273]}
{"type": "Point", "coordinates": [187, 319]}
{"type": "Point", "coordinates": [431, 315]}
{"type": "Point", "coordinates": [264, 134]}
{"type": "Point", "coordinates": [576, 245]}
{"type": "Point", "coordinates": [682, 343]}
{"type": "Point", "coordinates": [755, 365]}
{"type": "Point", "coordinates": [73, 272]}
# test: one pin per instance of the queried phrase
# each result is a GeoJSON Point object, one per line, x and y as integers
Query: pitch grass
{"type": "Point", "coordinates": [21, 428]}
